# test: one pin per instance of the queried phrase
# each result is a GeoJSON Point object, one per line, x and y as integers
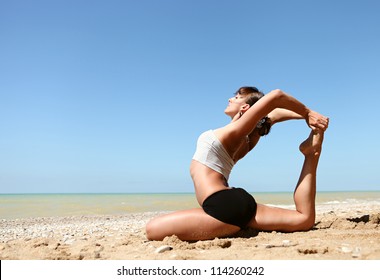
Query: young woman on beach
{"type": "Point", "coordinates": [226, 210]}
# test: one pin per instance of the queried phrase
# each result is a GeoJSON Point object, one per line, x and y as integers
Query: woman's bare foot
{"type": "Point", "coordinates": [313, 144]}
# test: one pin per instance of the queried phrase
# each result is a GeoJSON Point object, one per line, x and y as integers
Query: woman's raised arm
{"type": "Point", "coordinates": [281, 115]}
{"type": "Point", "coordinates": [273, 100]}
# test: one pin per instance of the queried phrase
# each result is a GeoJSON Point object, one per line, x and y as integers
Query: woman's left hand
{"type": "Point", "coordinates": [317, 121]}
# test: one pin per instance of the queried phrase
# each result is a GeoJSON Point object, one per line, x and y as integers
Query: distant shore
{"type": "Point", "coordinates": [341, 232]}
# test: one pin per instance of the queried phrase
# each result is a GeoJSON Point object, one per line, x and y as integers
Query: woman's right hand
{"type": "Point", "coordinates": [317, 121]}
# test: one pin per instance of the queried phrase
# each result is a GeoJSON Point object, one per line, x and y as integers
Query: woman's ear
{"type": "Point", "coordinates": [244, 108]}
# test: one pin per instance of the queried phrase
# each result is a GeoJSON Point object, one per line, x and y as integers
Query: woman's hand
{"type": "Point", "coordinates": [317, 121]}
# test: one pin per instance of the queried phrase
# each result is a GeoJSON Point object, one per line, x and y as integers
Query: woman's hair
{"type": "Point", "coordinates": [253, 95]}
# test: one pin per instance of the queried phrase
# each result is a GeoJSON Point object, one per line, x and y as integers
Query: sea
{"type": "Point", "coordinates": [20, 206]}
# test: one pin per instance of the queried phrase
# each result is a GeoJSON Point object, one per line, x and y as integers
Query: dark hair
{"type": "Point", "coordinates": [253, 95]}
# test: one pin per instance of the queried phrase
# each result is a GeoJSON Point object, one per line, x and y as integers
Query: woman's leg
{"type": "Point", "coordinates": [193, 224]}
{"type": "Point", "coordinates": [303, 218]}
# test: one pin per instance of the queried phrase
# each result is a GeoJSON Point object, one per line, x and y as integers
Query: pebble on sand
{"type": "Point", "coordinates": [163, 248]}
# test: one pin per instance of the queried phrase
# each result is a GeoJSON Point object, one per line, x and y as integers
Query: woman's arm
{"type": "Point", "coordinates": [281, 115]}
{"type": "Point", "coordinates": [271, 101]}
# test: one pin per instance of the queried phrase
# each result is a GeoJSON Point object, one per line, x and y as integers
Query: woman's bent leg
{"type": "Point", "coordinates": [303, 218]}
{"type": "Point", "coordinates": [193, 224]}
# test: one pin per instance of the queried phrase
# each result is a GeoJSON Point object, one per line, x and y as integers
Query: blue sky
{"type": "Point", "coordinates": [110, 96]}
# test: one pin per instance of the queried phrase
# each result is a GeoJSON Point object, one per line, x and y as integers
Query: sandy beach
{"type": "Point", "coordinates": [340, 233]}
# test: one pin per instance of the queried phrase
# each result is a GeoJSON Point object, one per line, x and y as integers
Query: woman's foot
{"type": "Point", "coordinates": [313, 144]}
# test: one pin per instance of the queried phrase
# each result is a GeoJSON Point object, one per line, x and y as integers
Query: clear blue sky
{"type": "Point", "coordinates": [110, 96]}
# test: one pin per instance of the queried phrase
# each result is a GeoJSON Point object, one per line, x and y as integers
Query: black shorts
{"type": "Point", "coordinates": [232, 206]}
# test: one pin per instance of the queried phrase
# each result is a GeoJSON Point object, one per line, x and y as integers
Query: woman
{"type": "Point", "coordinates": [227, 210]}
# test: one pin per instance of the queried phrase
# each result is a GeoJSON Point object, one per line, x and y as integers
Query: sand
{"type": "Point", "coordinates": [339, 234]}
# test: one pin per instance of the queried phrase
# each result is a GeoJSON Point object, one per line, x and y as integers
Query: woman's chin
{"type": "Point", "coordinates": [229, 113]}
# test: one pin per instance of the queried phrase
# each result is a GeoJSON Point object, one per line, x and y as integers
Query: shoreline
{"type": "Point", "coordinates": [341, 232]}
{"type": "Point", "coordinates": [62, 205]}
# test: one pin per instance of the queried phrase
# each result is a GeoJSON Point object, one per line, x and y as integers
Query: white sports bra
{"type": "Point", "coordinates": [211, 153]}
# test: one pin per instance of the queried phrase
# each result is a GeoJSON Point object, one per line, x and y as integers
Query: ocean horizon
{"type": "Point", "coordinates": [32, 205]}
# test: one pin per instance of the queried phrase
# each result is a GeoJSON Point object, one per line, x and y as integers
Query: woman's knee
{"type": "Point", "coordinates": [307, 223]}
{"type": "Point", "coordinates": [152, 230]}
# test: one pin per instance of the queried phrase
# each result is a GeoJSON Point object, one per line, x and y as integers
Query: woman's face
{"type": "Point", "coordinates": [235, 105]}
